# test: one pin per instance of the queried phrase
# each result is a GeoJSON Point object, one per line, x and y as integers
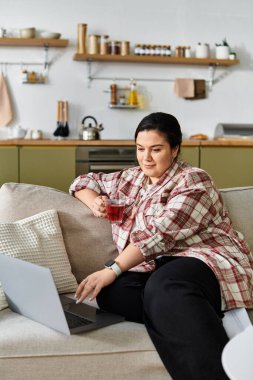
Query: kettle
{"type": "Point", "coordinates": [90, 132]}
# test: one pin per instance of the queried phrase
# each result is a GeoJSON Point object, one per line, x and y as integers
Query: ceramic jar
{"type": "Point", "coordinates": [222, 52]}
{"type": "Point", "coordinates": [202, 50]}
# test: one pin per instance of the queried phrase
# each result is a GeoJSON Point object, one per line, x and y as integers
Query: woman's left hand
{"type": "Point", "coordinates": [92, 284]}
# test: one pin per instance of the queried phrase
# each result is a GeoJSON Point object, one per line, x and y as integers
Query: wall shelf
{"type": "Point", "coordinates": [123, 106]}
{"type": "Point", "coordinates": [156, 59]}
{"type": "Point", "coordinates": [37, 42]}
{"type": "Point", "coordinates": [212, 63]}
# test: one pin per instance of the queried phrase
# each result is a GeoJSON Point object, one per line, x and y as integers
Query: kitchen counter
{"type": "Point", "coordinates": [75, 142]}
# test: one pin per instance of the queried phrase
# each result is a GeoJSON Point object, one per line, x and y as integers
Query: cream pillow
{"type": "Point", "coordinates": [38, 239]}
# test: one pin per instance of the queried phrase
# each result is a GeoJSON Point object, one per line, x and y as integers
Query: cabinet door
{"type": "Point", "coordinates": [8, 164]}
{"type": "Point", "coordinates": [228, 166]}
{"type": "Point", "coordinates": [48, 166]}
{"type": "Point", "coordinates": [190, 155]}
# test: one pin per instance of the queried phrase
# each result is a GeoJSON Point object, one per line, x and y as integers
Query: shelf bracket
{"type": "Point", "coordinates": [46, 62]}
{"type": "Point", "coordinates": [211, 69]}
{"type": "Point", "coordinates": [89, 76]}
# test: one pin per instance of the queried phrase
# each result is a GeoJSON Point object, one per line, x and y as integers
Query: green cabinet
{"type": "Point", "coordinates": [47, 166]}
{"type": "Point", "coordinates": [228, 166]}
{"type": "Point", "coordinates": [190, 154]}
{"type": "Point", "coordinates": [8, 164]}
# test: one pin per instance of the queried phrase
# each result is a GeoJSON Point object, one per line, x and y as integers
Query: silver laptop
{"type": "Point", "coordinates": [30, 290]}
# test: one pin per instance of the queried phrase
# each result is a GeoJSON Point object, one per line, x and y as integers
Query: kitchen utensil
{"type": "Point", "coordinates": [61, 120]}
{"type": "Point", "coordinates": [65, 129]}
{"type": "Point", "coordinates": [90, 132]}
{"type": "Point", "coordinates": [58, 119]}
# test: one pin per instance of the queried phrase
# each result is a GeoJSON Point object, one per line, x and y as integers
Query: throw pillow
{"type": "Point", "coordinates": [38, 239]}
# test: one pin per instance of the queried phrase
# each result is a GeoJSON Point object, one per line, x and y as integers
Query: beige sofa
{"type": "Point", "coordinates": [123, 351]}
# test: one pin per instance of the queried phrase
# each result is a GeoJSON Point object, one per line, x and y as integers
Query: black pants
{"type": "Point", "coordinates": [180, 305]}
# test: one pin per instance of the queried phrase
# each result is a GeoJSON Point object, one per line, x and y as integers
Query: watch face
{"type": "Point", "coordinates": [109, 263]}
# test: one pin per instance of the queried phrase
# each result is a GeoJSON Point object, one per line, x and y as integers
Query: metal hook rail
{"type": "Point", "coordinates": [210, 81]}
{"type": "Point", "coordinates": [45, 63]}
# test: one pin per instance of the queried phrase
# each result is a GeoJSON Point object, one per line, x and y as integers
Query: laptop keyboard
{"type": "Point", "coordinates": [75, 321]}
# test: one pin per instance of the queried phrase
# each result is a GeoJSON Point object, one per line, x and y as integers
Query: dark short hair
{"type": "Point", "coordinates": [164, 123]}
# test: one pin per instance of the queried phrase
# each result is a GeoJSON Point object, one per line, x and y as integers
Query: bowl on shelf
{"type": "Point", "coordinates": [50, 35]}
{"type": "Point", "coordinates": [27, 33]}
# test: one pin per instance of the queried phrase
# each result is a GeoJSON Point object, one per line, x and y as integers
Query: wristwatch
{"type": "Point", "coordinates": [114, 266]}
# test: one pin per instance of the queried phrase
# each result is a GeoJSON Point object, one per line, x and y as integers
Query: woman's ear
{"type": "Point", "coordinates": [174, 152]}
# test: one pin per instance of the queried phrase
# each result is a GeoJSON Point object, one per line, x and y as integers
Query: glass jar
{"type": "Point", "coordinates": [103, 47]}
{"type": "Point", "coordinates": [114, 47]}
{"type": "Point", "coordinates": [187, 52]}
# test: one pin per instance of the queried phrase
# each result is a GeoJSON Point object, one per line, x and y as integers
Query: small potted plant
{"type": "Point", "coordinates": [222, 50]}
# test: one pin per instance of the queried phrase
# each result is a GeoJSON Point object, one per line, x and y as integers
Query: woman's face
{"type": "Point", "coordinates": [154, 153]}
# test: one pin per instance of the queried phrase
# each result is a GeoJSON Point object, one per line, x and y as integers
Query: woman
{"type": "Point", "coordinates": [180, 263]}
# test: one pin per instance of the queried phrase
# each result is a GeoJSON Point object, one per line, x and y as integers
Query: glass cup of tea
{"type": "Point", "coordinates": [115, 209]}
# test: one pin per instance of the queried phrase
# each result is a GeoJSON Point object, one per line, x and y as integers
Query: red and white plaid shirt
{"type": "Point", "coordinates": [181, 215]}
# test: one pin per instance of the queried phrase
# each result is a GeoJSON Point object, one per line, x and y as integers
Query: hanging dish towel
{"type": "Point", "coordinates": [5, 103]}
{"type": "Point", "coordinates": [184, 87]}
{"type": "Point", "coordinates": [199, 90]}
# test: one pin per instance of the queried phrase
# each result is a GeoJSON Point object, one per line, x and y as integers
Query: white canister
{"type": "Point", "coordinates": [202, 51]}
{"type": "Point", "coordinates": [222, 52]}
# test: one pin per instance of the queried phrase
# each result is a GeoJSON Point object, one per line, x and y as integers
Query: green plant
{"type": "Point", "coordinates": [224, 43]}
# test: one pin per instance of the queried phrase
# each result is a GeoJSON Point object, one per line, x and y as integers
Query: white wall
{"type": "Point", "coordinates": [175, 22]}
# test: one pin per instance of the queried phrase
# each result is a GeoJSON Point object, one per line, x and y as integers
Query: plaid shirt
{"type": "Point", "coordinates": [181, 215]}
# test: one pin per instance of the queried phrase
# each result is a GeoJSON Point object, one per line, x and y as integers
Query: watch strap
{"type": "Point", "coordinates": [115, 268]}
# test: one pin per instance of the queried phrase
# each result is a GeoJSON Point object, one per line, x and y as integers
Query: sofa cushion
{"type": "Point", "coordinates": [239, 203]}
{"type": "Point", "coordinates": [38, 239]}
{"type": "Point", "coordinates": [88, 240]}
{"type": "Point", "coordinates": [122, 351]}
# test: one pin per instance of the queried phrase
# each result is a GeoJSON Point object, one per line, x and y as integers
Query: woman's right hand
{"type": "Point", "coordinates": [98, 206]}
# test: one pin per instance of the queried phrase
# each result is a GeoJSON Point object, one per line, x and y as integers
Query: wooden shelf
{"type": "Point", "coordinates": [9, 41]}
{"type": "Point", "coordinates": [124, 106]}
{"type": "Point", "coordinates": [156, 59]}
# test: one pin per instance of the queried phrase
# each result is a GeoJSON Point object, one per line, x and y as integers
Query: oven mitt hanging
{"type": "Point", "coordinates": [6, 113]}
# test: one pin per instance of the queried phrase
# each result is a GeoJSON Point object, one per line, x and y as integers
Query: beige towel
{"type": "Point", "coordinates": [184, 88]}
{"type": "Point", "coordinates": [5, 104]}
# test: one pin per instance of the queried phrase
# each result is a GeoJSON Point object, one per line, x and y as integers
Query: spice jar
{"type": "Point", "coordinates": [114, 47]}
{"type": "Point", "coordinates": [93, 43]}
{"type": "Point", "coordinates": [125, 48]}
{"type": "Point", "coordinates": [187, 52]}
{"type": "Point", "coordinates": [103, 47]}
